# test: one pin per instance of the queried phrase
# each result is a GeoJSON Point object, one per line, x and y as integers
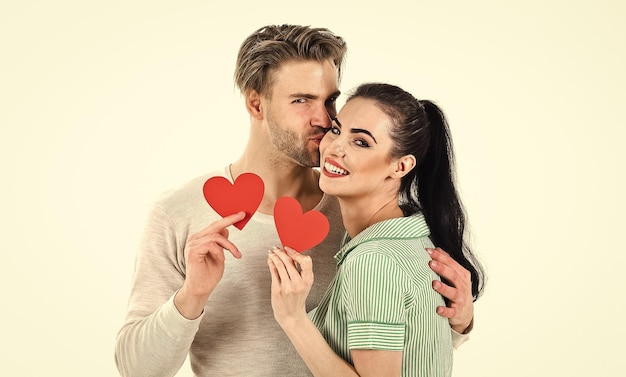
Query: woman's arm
{"type": "Point", "coordinates": [377, 362]}
{"type": "Point", "coordinates": [292, 277]}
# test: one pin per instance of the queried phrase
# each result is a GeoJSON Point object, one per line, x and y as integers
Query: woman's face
{"type": "Point", "coordinates": [355, 153]}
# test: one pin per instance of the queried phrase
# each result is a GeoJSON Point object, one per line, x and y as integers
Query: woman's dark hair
{"type": "Point", "coordinates": [420, 129]}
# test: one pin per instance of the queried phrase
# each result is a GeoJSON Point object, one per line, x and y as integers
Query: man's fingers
{"type": "Point", "coordinates": [215, 244]}
{"type": "Point", "coordinates": [444, 311]}
{"type": "Point", "coordinates": [446, 291]}
{"type": "Point", "coordinates": [234, 251]}
{"type": "Point", "coordinates": [438, 253]}
{"type": "Point", "coordinates": [219, 225]}
{"type": "Point", "coordinates": [444, 271]}
{"type": "Point", "coordinates": [441, 257]}
{"type": "Point", "coordinates": [456, 286]}
{"type": "Point", "coordinates": [230, 220]}
{"type": "Point", "coordinates": [449, 265]}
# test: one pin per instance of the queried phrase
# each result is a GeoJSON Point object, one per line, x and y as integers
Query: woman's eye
{"type": "Point", "coordinates": [335, 130]}
{"type": "Point", "coordinates": [361, 143]}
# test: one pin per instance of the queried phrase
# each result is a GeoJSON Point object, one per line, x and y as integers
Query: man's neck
{"type": "Point", "coordinates": [281, 179]}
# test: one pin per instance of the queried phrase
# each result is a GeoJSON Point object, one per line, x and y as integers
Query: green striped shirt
{"type": "Point", "coordinates": [381, 298]}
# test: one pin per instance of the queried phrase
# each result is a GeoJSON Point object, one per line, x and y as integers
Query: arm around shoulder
{"type": "Point", "coordinates": [459, 338]}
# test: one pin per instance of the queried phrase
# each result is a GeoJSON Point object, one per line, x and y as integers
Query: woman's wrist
{"type": "Point", "coordinates": [293, 322]}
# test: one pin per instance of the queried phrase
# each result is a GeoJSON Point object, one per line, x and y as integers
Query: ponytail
{"type": "Point", "coordinates": [438, 197]}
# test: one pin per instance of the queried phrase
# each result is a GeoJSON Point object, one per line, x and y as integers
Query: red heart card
{"type": "Point", "coordinates": [227, 199]}
{"type": "Point", "coordinates": [297, 230]}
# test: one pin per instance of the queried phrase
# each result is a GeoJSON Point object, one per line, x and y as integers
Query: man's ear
{"type": "Point", "coordinates": [253, 104]}
{"type": "Point", "coordinates": [404, 165]}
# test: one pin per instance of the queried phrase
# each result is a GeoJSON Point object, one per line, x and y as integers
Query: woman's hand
{"type": "Point", "coordinates": [292, 278]}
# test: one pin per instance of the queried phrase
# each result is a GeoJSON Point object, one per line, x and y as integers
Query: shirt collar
{"type": "Point", "coordinates": [397, 228]}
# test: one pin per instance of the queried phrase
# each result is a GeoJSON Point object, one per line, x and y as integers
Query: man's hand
{"type": "Point", "coordinates": [460, 310]}
{"type": "Point", "coordinates": [205, 265]}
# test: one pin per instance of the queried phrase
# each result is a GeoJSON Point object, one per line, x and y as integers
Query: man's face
{"type": "Point", "coordinates": [304, 94]}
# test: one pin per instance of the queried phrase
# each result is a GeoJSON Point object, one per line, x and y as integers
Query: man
{"type": "Point", "coordinates": [189, 297]}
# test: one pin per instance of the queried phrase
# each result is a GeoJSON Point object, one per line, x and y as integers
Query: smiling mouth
{"type": "Point", "coordinates": [334, 169]}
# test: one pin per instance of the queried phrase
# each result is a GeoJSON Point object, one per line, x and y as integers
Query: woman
{"type": "Point", "coordinates": [388, 160]}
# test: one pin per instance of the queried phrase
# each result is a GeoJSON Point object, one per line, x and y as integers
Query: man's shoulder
{"type": "Point", "coordinates": [186, 197]}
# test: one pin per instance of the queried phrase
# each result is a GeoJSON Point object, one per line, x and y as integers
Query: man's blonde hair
{"type": "Point", "coordinates": [270, 46]}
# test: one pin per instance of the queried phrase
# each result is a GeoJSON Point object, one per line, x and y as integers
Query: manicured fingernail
{"type": "Point", "coordinates": [429, 250]}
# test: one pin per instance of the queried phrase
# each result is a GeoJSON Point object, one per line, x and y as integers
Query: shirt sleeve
{"type": "Point", "coordinates": [155, 338]}
{"type": "Point", "coordinates": [458, 339]}
{"type": "Point", "coordinates": [374, 289]}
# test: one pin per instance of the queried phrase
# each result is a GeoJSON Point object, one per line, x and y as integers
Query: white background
{"type": "Point", "coordinates": [106, 104]}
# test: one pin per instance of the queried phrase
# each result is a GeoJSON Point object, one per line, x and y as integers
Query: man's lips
{"type": "Point", "coordinates": [317, 138]}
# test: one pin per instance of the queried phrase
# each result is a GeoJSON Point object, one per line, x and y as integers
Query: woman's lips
{"type": "Point", "coordinates": [334, 169]}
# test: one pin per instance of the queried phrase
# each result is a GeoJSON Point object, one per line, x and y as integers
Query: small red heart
{"type": "Point", "coordinates": [227, 199]}
{"type": "Point", "coordinates": [297, 230]}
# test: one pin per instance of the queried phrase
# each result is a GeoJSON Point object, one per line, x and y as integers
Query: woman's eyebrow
{"type": "Point", "coordinates": [360, 130]}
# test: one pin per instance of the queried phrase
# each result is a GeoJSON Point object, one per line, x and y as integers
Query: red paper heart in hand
{"type": "Point", "coordinates": [227, 199]}
{"type": "Point", "coordinates": [297, 230]}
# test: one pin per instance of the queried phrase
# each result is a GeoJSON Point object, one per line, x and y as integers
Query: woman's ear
{"type": "Point", "coordinates": [253, 104]}
{"type": "Point", "coordinates": [404, 165]}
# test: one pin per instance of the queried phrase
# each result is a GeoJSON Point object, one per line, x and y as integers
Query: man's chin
{"type": "Point", "coordinates": [312, 159]}
{"type": "Point", "coordinates": [310, 164]}
{"type": "Point", "coordinates": [315, 160]}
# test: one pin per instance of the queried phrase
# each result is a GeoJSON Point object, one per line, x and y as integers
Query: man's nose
{"type": "Point", "coordinates": [322, 118]}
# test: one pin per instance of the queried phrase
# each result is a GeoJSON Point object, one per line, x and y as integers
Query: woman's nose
{"type": "Point", "coordinates": [336, 148]}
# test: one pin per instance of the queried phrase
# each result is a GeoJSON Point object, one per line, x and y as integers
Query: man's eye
{"type": "Point", "coordinates": [299, 100]}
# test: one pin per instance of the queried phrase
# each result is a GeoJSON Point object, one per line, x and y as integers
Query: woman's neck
{"type": "Point", "coordinates": [358, 214]}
